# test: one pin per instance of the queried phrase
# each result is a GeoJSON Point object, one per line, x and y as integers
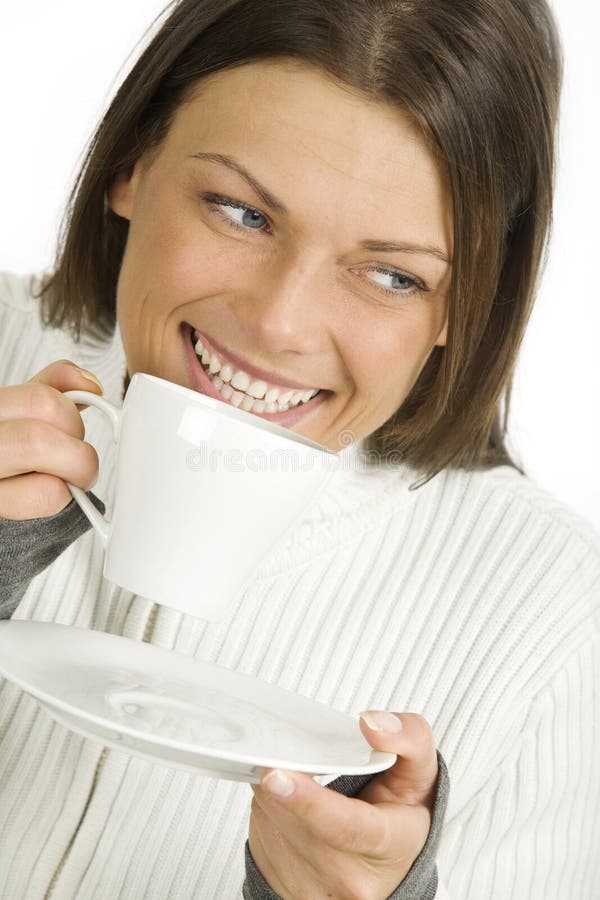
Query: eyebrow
{"type": "Point", "coordinates": [277, 206]}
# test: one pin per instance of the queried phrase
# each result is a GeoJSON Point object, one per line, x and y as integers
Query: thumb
{"type": "Point", "coordinates": [65, 375]}
{"type": "Point", "coordinates": [413, 777]}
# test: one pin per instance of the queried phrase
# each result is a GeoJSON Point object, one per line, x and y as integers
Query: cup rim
{"type": "Point", "coordinates": [232, 412]}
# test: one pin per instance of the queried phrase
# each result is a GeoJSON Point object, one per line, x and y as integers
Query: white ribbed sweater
{"type": "Point", "coordinates": [473, 601]}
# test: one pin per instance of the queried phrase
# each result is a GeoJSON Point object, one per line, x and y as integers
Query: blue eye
{"type": "Point", "coordinates": [246, 218]}
{"type": "Point", "coordinates": [250, 219]}
{"type": "Point", "coordinates": [405, 284]}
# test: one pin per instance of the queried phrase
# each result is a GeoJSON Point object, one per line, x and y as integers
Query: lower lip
{"type": "Point", "coordinates": [201, 382]}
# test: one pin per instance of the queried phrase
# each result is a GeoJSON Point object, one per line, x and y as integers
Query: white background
{"type": "Point", "coordinates": [59, 65]}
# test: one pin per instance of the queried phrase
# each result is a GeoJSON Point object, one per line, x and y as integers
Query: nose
{"type": "Point", "coordinates": [284, 308]}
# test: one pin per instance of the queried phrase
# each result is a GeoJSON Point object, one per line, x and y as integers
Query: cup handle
{"type": "Point", "coordinates": [99, 522]}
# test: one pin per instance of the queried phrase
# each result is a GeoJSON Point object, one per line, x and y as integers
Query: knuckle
{"type": "Point", "coordinates": [43, 401]}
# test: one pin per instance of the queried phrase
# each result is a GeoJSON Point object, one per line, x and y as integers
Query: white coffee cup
{"type": "Point", "coordinates": [203, 491]}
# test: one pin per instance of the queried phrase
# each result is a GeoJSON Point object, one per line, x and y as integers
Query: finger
{"type": "Point", "coordinates": [35, 495]}
{"type": "Point", "coordinates": [28, 445]}
{"type": "Point", "coordinates": [43, 403]}
{"type": "Point", "coordinates": [65, 375]}
{"type": "Point", "coordinates": [413, 777]}
{"type": "Point", "coordinates": [300, 807]}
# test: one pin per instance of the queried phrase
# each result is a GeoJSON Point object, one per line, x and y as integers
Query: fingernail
{"type": "Point", "coordinates": [381, 721]}
{"type": "Point", "coordinates": [278, 783]}
{"type": "Point", "coordinates": [90, 377]}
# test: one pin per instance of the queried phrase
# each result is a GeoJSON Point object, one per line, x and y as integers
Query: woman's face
{"type": "Point", "coordinates": [287, 273]}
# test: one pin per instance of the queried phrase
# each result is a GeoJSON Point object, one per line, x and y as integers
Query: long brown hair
{"type": "Point", "coordinates": [480, 78]}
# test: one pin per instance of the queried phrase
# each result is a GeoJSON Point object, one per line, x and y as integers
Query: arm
{"type": "Point", "coordinates": [28, 546]}
{"type": "Point", "coordinates": [420, 883]}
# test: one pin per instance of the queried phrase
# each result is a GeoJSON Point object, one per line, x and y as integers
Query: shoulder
{"type": "Point", "coordinates": [17, 292]}
{"type": "Point", "coordinates": [536, 545]}
{"type": "Point", "coordinates": [27, 343]}
{"type": "Point", "coordinates": [511, 574]}
{"type": "Point", "coordinates": [523, 506]}
{"type": "Point", "coordinates": [22, 334]}
{"type": "Point", "coordinates": [527, 566]}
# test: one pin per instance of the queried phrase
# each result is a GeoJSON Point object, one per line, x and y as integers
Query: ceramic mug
{"type": "Point", "coordinates": [203, 491]}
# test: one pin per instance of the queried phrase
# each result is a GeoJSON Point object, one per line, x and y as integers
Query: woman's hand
{"type": "Point", "coordinates": [41, 442]}
{"type": "Point", "coordinates": [312, 842]}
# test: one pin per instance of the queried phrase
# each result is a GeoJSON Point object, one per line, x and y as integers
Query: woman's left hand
{"type": "Point", "coordinates": [311, 842]}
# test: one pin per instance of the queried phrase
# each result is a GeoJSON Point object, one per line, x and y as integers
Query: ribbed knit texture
{"type": "Point", "coordinates": [473, 601]}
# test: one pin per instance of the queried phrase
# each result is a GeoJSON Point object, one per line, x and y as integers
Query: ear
{"type": "Point", "coordinates": [122, 190]}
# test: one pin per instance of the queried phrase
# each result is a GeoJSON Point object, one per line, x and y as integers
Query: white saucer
{"type": "Point", "coordinates": [178, 759]}
{"type": "Point", "coordinates": [177, 710]}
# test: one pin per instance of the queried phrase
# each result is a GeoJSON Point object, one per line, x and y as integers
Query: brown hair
{"type": "Point", "coordinates": [481, 78]}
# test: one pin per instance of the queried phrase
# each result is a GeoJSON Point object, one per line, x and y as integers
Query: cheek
{"type": "Point", "coordinates": [184, 259]}
{"type": "Point", "coordinates": [390, 351]}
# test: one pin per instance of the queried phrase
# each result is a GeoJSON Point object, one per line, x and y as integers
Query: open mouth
{"type": "Point", "coordinates": [214, 375]}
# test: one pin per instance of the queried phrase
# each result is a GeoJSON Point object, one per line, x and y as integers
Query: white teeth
{"type": "Point", "coordinates": [226, 373]}
{"type": "Point", "coordinates": [257, 389]}
{"type": "Point", "coordinates": [252, 396]}
{"type": "Point", "coordinates": [272, 395]}
{"type": "Point", "coordinates": [240, 380]}
{"type": "Point", "coordinates": [285, 398]}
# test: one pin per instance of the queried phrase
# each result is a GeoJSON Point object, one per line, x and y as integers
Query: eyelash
{"type": "Point", "coordinates": [214, 201]}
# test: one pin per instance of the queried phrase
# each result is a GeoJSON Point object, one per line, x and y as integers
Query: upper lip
{"type": "Point", "coordinates": [250, 369]}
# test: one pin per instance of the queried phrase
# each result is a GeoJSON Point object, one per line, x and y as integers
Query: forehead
{"type": "Point", "coordinates": [295, 125]}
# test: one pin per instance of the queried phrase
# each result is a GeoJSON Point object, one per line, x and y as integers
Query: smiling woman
{"type": "Point", "coordinates": [423, 151]}
{"type": "Point", "coordinates": [332, 214]}
{"type": "Point", "coordinates": [296, 286]}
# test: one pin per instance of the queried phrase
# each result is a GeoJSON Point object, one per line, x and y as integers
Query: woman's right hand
{"type": "Point", "coordinates": [41, 442]}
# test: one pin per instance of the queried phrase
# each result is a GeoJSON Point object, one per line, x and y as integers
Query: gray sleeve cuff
{"type": "Point", "coordinates": [420, 882]}
{"type": "Point", "coordinates": [29, 546]}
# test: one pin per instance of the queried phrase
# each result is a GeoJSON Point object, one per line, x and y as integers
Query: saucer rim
{"type": "Point", "coordinates": [379, 760]}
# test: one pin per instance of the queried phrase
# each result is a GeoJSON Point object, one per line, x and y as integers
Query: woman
{"type": "Point", "coordinates": [332, 214]}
